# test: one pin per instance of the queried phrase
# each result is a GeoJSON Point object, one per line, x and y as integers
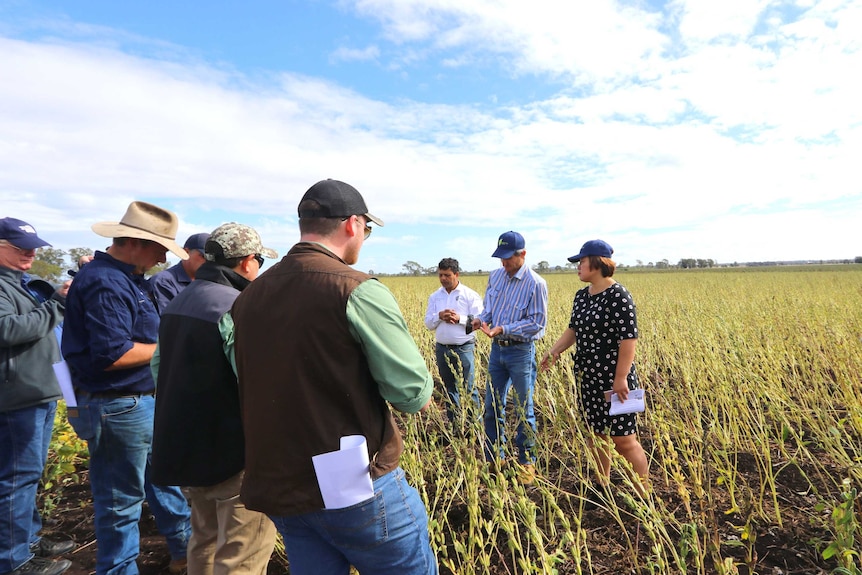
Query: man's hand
{"type": "Point", "coordinates": [491, 331]}
{"type": "Point", "coordinates": [449, 316]}
{"type": "Point", "coordinates": [63, 290]}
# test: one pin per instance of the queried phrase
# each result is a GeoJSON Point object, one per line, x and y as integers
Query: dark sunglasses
{"type": "Point", "coordinates": [259, 259]}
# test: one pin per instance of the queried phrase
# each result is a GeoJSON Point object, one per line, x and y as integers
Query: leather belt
{"type": "Point", "coordinates": [114, 393]}
{"type": "Point", "coordinates": [508, 342]}
{"type": "Point", "coordinates": [451, 345]}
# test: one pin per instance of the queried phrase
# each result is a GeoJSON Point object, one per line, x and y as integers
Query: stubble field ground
{"type": "Point", "coordinates": [753, 429]}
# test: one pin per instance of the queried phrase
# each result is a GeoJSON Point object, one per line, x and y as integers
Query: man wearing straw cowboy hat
{"type": "Point", "coordinates": [110, 335]}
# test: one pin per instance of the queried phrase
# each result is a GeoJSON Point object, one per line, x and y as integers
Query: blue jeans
{"type": "Point", "coordinates": [511, 367]}
{"type": "Point", "coordinates": [25, 435]}
{"type": "Point", "coordinates": [119, 432]}
{"type": "Point", "coordinates": [385, 535]}
{"type": "Point", "coordinates": [455, 364]}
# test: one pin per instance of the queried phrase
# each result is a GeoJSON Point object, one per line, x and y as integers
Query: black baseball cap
{"type": "Point", "coordinates": [335, 199]}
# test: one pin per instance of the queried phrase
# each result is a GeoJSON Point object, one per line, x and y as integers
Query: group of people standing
{"type": "Point", "coordinates": [262, 378]}
{"type": "Point", "coordinates": [513, 313]}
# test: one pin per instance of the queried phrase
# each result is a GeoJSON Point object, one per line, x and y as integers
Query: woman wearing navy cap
{"type": "Point", "coordinates": [604, 327]}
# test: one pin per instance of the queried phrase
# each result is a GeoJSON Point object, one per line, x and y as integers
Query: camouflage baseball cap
{"type": "Point", "coordinates": [233, 240]}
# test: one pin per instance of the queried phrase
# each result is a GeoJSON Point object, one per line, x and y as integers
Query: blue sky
{"type": "Point", "coordinates": [726, 130]}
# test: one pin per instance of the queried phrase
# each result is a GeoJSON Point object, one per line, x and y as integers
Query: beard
{"type": "Point", "coordinates": [351, 254]}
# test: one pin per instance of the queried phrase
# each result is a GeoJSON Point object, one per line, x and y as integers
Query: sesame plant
{"type": "Point", "coordinates": [753, 430]}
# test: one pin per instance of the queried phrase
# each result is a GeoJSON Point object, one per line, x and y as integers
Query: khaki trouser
{"type": "Point", "coordinates": [227, 538]}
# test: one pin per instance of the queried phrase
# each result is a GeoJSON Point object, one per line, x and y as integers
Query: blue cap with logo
{"type": "Point", "coordinates": [20, 234]}
{"type": "Point", "coordinates": [508, 244]}
{"type": "Point", "coordinates": [593, 248]}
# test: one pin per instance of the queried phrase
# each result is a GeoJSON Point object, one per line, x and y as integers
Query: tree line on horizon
{"type": "Point", "coordinates": [51, 264]}
{"type": "Point", "coordinates": [412, 268]}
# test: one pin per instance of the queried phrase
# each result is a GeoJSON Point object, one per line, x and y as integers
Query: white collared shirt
{"type": "Point", "coordinates": [464, 301]}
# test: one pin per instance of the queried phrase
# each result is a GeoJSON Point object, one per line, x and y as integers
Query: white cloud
{"type": "Point", "coordinates": [729, 20]}
{"type": "Point", "coordinates": [345, 54]}
{"type": "Point", "coordinates": [710, 139]}
{"type": "Point", "coordinates": [601, 39]}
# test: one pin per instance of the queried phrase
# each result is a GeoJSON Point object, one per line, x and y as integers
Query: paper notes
{"type": "Point", "coordinates": [344, 476]}
{"type": "Point", "coordinates": [64, 378]}
{"type": "Point", "coordinates": [634, 403]}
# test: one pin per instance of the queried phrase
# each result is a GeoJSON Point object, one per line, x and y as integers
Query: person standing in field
{"type": "Point", "coordinates": [516, 305]}
{"type": "Point", "coordinates": [604, 328]}
{"type": "Point", "coordinates": [198, 401]}
{"type": "Point", "coordinates": [320, 350]}
{"type": "Point", "coordinates": [28, 400]}
{"type": "Point", "coordinates": [109, 337]}
{"type": "Point", "coordinates": [450, 312]}
{"type": "Point", "coordinates": [168, 283]}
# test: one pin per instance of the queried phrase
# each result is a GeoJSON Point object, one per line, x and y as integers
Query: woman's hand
{"type": "Point", "coordinates": [621, 388]}
{"type": "Point", "coordinates": [548, 360]}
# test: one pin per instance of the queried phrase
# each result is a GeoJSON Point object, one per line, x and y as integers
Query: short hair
{"type": "Point", "coordinates": [228, 262]}
{"type": "Point", "coordinates": [316, 226]}
{"type": "Point", "coordinates": [607, 265]}
{"type": "Point", "coordinates": [450, 264]}
{"type": "Point", "coordinates": [124, 240]}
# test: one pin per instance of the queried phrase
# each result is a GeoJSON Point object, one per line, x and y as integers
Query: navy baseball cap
{"type": "Point", "coordinates": [335, 200]}
{"type": "Point", "coordinates": [20, 234]}
{"type": "Point", "coordinates": [593, 248]}
{"type": "Point", "coordinates": [508, 244]}
{"type": "Point", "coordinates": [196, 242]}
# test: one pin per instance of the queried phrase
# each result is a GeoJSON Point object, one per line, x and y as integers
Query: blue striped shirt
{"type": "Point", "coordinates": [518, 304]}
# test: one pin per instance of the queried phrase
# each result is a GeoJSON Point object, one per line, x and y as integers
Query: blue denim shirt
{"type": "Point", "coordinates": [108, 308]}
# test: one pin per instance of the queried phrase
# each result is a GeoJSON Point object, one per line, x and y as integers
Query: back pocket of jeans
{"type": "Point", "coordinates": [81, 421]}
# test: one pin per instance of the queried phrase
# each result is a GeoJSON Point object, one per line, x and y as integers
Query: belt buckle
{"type": "Point", "coordinates": [504, 342]}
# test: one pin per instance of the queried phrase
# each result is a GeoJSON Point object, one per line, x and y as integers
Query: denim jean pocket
{"type": "Point", "coordinates": [359, 526]}
{"type": "Point", "coordinates": [81, 421]}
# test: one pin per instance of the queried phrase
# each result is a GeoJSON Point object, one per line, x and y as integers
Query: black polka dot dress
{"type": "Point", "coordinates": [600, 323]}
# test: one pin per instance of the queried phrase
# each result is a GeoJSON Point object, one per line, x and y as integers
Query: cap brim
{"type": "Point", "coordinates": [575, 258]}
{"type": "Point", "coordinates": [269, 254]}
{"type": "Point", "coordinates": [32, 243]}
{"type": "Point", "coordinates": [503, 254]}
{"type": "Point", "coordinates": [374, 219]}
{"type": "Point", "coordinates": [117, 230]}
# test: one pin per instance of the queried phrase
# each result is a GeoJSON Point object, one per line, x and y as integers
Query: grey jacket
{"type": "Point", "coordinates": [28, 346]}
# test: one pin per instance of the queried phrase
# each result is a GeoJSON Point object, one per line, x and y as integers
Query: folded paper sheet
{"type": "Point", "coordinates": [64, 378]}
{"type": "Point", "coordinates": [633, 404]}
{"type": "Point", "coordinates": [344, 476]}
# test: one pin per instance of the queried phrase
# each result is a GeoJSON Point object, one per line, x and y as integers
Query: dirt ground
{"type": "Point", "coordinates": [73, 518]}
{"type": "Point", "coordinates": [777, 550]}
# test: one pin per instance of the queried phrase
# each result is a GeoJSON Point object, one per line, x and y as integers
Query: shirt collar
{"type": "Point", "coordinates": [111, 260]}
{"type": "Point", "coordinates": [519, 275]}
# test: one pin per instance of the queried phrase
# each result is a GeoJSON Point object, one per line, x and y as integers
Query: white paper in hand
{"type": "Point", "coordinates": [634, 403]}
{"type": "Point", "coordinates": [344, 476]}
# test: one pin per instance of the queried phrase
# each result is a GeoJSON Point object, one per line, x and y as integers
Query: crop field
{"type": "Point", "coordinates": [753, 430]}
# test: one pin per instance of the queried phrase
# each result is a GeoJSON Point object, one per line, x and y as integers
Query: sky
{"type": "Point", "coordinates": [724, 130]}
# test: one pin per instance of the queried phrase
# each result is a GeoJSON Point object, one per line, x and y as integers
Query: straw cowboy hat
{"type": "Point", "coordinates": [147, 222]}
